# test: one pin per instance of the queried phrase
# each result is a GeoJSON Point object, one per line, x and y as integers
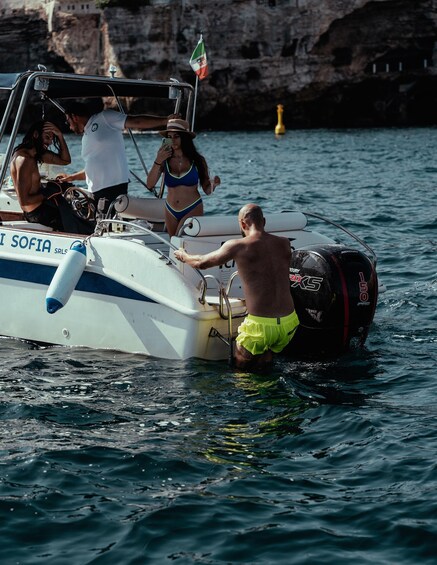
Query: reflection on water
{"type": "Point", "coordinates": [259, 418]}
{"type": "Point", "coordinates": [274, 412]}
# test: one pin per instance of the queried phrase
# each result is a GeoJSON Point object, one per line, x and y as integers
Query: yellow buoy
{"type": "Point", "coordinates": [280, 128]}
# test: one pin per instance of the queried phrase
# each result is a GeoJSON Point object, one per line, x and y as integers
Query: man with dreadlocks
{"type": "Point", "coordinates": [25, 174]}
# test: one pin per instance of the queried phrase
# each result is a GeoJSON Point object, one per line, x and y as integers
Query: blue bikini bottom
{"type": "Point", "coordinates": [179, 214]}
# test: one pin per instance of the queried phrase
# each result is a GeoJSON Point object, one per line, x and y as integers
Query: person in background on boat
{"type": "Point", "coordinates": [184, 169]}
{"type": "Point", "coordinates": [34, 149]}
{"type": "Point", "coordinates": [263, 262]}
{"type": "Point", "coordinates": [106, 170]}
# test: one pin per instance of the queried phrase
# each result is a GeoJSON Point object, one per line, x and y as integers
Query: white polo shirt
{"type": "Point", "coordinates": [103, 150]}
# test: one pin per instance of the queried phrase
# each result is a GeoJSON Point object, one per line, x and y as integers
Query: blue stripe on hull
{"type": "Point", "coordinates": [88, 282]}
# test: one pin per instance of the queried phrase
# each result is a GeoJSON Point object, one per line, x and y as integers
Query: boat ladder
{"type": "Point", "coordinates": [225, 311]}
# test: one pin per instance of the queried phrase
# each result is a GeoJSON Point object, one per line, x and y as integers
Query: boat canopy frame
{"type": "Point", "coordinates": [55, 87]}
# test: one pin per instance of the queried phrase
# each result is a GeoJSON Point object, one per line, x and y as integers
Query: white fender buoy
{"type": "Point", "coordinates": [66, 277]}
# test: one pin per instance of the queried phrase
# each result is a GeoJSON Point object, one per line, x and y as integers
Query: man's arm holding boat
{"type": "Point", "coordinates": [148, 121]}
{"type": "Point", "coordinates": [145, 121]}
{"type": "Point", "coordinates": [227, 251]}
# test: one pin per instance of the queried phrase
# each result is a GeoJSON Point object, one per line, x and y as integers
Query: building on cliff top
{"type": "Point", "coordinates": [51, 6]}
{"type": "Point", "coordinates": [72, 6]}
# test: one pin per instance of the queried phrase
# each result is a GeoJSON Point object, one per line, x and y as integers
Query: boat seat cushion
{"type": "Point", "coordinates": [201, 226]}
{"type": "Point", "coordinates": [131, 207]}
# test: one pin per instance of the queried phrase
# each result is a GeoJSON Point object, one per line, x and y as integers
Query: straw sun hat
{"type": "Point", "coordinates": [178, 126]}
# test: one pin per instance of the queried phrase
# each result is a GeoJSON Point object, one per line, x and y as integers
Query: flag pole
{"type": "Point", "coordinates": [200, 67]}
{"type": "Point", "coordinates": [195, 102]}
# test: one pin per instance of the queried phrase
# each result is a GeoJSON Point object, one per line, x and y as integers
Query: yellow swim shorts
{"type": "Point", "coordinates": [258, 334]}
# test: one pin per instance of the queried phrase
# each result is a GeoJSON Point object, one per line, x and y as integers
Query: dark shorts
{"type": "Point", "coordinates": [110, 194]}
{"type": "Point", "coordinates": [46, 214]}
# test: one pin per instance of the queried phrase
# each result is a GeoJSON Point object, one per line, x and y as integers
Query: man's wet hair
{"type": "Point", "coordinates": [30, 141]}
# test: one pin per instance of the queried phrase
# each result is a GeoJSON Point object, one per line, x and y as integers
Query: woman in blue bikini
{"type": "Point", "coordinates": [184, 169]}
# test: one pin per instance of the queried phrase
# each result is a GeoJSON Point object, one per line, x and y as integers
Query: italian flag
{"type": "Point", "coordinates": [198, 60]}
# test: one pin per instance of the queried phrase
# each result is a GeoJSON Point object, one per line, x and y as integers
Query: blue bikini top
{"type": "Point", "coordinates": [190, 178]}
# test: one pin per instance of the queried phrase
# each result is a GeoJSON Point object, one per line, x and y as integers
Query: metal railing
{"type": "Point", "coordinates": [100, 229]}
{"type": "Point", "coordinates": [374, 258]}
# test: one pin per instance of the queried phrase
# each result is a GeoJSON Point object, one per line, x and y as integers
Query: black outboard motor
{"type": "Point", "coordinates": [335, 290]}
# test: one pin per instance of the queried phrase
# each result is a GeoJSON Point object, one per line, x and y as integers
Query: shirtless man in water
{"type": "Point", "coordinates": [25, 174]}
{"type": "Point", "coordinates": [263, 262]}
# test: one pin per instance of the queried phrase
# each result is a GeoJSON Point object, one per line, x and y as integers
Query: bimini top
{"type": "Point", "coordinates": [65, 85]}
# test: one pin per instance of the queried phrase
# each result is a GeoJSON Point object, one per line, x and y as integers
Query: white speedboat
{"type": "Point", "coordinates": [121, 288]}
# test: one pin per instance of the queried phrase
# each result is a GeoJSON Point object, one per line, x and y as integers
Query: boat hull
{"type": "Point", "coordinates": [132, 295]}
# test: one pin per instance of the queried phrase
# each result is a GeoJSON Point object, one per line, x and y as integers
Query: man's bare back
{"type": "Point", "coordinates": [263, 262]}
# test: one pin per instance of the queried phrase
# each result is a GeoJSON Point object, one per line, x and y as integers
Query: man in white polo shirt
{"type": "Point", "coordinates": [106, 170]}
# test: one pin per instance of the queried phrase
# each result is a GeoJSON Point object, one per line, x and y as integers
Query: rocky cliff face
{"type": "Point", "coordinates": [329, 62]}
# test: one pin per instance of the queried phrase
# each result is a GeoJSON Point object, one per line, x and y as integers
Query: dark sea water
{"type": "Point", "coordinates": [115, 459]}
